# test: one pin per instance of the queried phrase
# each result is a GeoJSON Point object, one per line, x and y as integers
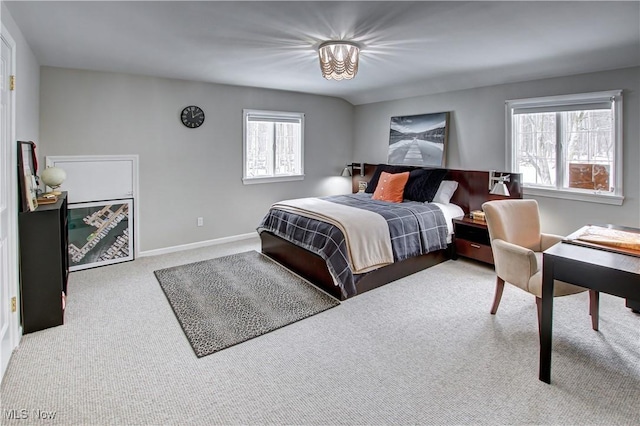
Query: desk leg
{"type": "Point", "coordinates": [547, 319]}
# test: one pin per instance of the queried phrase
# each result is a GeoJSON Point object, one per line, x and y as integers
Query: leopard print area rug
{"type": "Point", "coordinates": [225, 301]}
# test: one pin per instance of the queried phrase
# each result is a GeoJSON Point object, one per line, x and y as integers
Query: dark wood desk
{"type": "Point", "coordinates": [600, 270]}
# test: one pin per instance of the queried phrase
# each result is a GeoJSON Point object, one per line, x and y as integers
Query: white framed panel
{"type": "Point", "coordinates": [97, 178]}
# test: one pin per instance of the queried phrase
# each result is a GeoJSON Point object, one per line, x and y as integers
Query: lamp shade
{"type": "Point", "coordinates": [500, 188]}
{"type": "Point", "coordinates": [339, 59]}
{"type": "Point", "coordinates": [53, 176]}
{"type": "Point", "coordinates": [346, 172]}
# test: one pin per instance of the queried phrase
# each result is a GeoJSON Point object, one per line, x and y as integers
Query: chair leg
{"type": "Point", "coordinates": [539, 309]}
{"type": "Point", "coordinates": [594, 308]}
{"type": "Point", "coordinates": [498, 296]}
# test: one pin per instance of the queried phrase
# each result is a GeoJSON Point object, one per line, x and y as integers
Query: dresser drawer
{"type": "Point", "coordinates": [474, 250]}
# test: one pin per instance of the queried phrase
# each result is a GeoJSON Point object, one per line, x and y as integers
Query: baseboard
{"type": "Point", "coordinates": [199, 244]}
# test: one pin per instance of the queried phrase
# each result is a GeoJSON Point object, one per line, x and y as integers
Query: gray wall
{"type": "Point", "coordinates": [27, 83]}
{"type": "Point", "coordinates": [477, 137]}
{"type": "Point", "coordinates": [187, 173]}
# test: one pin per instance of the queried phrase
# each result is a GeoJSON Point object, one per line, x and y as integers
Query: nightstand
{"type": "Point", "coordinates": [472, 239]}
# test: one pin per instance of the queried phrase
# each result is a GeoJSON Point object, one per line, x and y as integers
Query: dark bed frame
{"type": "Point", "coordinates": [471, 193]}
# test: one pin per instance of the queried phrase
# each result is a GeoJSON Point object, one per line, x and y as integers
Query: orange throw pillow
{"type": "Point", "coordinates": [391, 187]}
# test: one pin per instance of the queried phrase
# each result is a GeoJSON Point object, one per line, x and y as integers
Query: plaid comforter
{"type": "Point", "coordinates": [414, 228]}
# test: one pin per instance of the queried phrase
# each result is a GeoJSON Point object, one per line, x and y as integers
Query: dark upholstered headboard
{"type": "Point", "coordinates": [473, 185]}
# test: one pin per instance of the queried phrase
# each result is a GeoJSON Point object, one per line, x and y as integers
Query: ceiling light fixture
{"type": "Point", "coordinates": [338, 59]}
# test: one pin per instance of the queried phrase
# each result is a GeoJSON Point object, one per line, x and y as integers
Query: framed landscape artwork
{"type": "Point", "coordinates": [419, 140]}
{"type": "Point", "coordinates": [100, 233]}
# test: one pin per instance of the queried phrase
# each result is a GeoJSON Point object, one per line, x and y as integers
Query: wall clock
{"type": "Point", "coordinates": [192, 116]}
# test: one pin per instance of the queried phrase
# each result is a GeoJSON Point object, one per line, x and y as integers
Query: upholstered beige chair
{"type": "Point", "coordinates": [517, 244]}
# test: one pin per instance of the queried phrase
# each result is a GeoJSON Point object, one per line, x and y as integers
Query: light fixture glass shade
{"type": "Point", "coordinates": [53, 176]}
{"type": "Point", "coordinates": [346, 172]}
{"type": "Point", "coordinates": [500, 188]}
{"type": "Point", "coordinates": [338, 59]}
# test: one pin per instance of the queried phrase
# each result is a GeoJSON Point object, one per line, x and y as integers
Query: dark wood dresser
{"type": "Point", "coordinates": [44, 265]}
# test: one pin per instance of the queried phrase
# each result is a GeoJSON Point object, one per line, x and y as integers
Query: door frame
{"type": "Point", "coordinates": [15, 329]}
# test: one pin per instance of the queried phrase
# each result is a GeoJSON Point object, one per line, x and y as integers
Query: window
{"type": "Point", "coordinates": [273, 146]}
{"type": "Point", "coordinates": [568, 146]}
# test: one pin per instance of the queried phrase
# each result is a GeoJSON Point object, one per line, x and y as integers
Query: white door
{"type": "Point", "coordinates": [8, 208]}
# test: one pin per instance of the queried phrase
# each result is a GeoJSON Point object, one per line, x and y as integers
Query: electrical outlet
{"type": "Point", "coordinates": [200, 221]}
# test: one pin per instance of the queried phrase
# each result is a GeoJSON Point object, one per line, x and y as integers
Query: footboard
{"type": "Point", "coordinates": [301, 261]}
{"type": "Point", "coordinates": [313, 268]}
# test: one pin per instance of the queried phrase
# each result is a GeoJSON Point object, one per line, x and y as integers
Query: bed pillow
{"type": "Point", "coordinates": [445, 191]}
{"type": "Point", "coordinates": [373, 183]}
{"type": "Point", "coordinates": [423, 184]}
{"type": "Point", "coordinates": [391, 187]}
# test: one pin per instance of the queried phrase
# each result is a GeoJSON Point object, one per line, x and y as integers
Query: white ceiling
{"type": "Point", "coordinates": [408, 48]}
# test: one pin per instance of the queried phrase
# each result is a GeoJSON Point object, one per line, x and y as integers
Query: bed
{"type": "Point", "coordinates": [296, 253]}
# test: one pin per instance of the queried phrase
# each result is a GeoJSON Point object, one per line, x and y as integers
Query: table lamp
{"type": "Point", "coordinates": [53, 178]}
{"type": "Point", "coordinates": [500, 187]}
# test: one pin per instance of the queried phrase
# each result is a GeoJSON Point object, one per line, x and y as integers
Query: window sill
{"type": "Point", "coordinates": [271, 179]}
{"type": "Point", "coordinates": [578, 196]}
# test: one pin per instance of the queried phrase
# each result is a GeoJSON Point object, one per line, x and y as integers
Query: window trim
{"type": "Point", "coordinates": [615, 97]}
{"type": "Point", "coordinates": [275, 115]}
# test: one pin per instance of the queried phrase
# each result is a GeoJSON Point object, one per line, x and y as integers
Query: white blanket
{"type": "Point", "coordinates": [366, 233]}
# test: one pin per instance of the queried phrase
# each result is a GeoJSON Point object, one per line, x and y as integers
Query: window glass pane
{"type": "Point", "coordinates": [259, 149]}
{"type": "Point", "coordinates": [535, 138]}
{"type": "Point", "coordinates": [590, 149]}
{"type": "Point", "coordinates": [288, 146]}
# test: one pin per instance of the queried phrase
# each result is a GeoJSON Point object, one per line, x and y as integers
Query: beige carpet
{"type": "Point", "coordinates": [423, 350]}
